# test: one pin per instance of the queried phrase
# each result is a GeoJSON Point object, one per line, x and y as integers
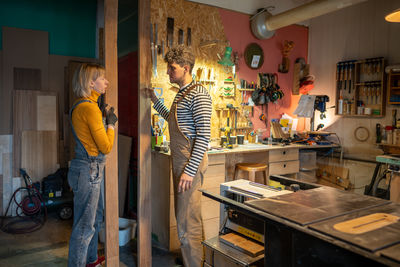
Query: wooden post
{"type": "Point", "coordinates": [144, 153]}
{"type": "Point", "coordinates": [111, 178]}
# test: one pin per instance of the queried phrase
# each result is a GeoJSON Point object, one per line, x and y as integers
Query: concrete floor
{"type": "Point", "coordinates": [49, 247]}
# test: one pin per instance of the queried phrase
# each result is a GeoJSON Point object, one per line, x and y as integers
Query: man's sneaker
{"type": "Point", "coordinates": [99, 262]}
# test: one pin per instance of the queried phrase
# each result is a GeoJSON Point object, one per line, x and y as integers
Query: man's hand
{"type": "Point", "coordinates": [150, 94]}
{"type": "Point", "coordinates": [185, 183]}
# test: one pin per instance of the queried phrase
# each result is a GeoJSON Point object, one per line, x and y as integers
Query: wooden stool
{"type": "Point", "coordinates": [252, 168]}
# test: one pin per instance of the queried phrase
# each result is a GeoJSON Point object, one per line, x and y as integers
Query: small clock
{"type": "Point", "coordinates": [254, 56]}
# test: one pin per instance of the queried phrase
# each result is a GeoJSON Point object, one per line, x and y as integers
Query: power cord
{"type": "Point", "coordinates": [30, 206]}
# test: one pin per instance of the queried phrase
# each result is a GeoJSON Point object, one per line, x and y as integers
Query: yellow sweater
{"type": "Point", "coordinates": [88, 125]}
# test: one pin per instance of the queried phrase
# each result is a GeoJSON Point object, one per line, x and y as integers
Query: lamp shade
{"type": "Point", "coordinates": [393, 16]}
{"type": "Point", "coordinates": [226, 61]}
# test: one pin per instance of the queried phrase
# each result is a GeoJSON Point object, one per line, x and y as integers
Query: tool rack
{"type": "Point", "coordinates": [360, 88]}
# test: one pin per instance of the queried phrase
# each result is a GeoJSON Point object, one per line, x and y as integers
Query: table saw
{"type": "Point", "coordinates": [316, 226]}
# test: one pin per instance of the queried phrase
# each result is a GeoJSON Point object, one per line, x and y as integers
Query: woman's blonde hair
{"type": "Point", "coordinates": [85, 73]}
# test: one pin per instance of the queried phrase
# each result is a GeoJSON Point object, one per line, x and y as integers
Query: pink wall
{"type": "Point", "coordinates": [238, 32]}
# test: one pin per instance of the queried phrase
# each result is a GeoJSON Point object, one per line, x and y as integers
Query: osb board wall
{"type": "Point", "coordinates": [206, 25]}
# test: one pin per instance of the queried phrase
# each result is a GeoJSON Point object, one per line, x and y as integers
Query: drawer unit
{"type": "Point", "coordinates": [283, 154]}
{"type": "Point", "coordinates": [284, 167]}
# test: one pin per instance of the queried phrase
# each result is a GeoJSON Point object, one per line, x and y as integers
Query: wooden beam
{"type": "Point", "coordinates": [144, 153]}
{"type": "Point", "coordinates": [111, 178]}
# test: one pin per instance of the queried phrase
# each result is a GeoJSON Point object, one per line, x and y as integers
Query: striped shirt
{"type": "Point", "coordinates": [194, 120]}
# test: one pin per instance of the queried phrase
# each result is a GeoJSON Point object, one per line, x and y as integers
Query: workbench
{"type": "Point", "coordinates": [300, 228]}
{"type": "Point", "coordinates": [281, 160]}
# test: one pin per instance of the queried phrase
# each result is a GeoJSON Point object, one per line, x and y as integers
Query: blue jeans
{"type": "Point", "coordinates": [85, 179]}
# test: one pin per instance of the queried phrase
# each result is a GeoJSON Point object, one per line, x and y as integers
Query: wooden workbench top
{"type": "Point", "coordinates": [249, 148]}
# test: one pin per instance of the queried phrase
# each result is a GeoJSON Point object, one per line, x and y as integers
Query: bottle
{"type": "Point", "coordinates": [389, 135]}
{"type": "Point", "coordinates": [340, 108]}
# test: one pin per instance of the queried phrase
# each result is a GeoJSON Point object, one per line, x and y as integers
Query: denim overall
{"type": "Point", "coordinates": [188, 203]}
{"type": "Point", "coordinates": [85, 175]}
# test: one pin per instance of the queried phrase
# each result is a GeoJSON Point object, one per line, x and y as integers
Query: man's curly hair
{"type": "Point", "coordinates": [180, 55]}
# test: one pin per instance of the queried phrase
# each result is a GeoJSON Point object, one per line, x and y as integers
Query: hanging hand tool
{"type": "Point", "coordinates": [155, 49]}
{"type": "Point", "coordinates": [189, 36]}
{"type": "Point", "coordinates": [170, 32]}
{"type": "Point", "coordinates": [180, 36]}
{"type": "Point", "coordinates": [344, 75]}
{"type": "Point", "coordinates": [338, 77]}
{"type": "Point", "coordinates": [350, 75]}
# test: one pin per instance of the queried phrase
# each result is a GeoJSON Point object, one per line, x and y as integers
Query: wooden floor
{"type": "Point", "coordinates": [49, 247]}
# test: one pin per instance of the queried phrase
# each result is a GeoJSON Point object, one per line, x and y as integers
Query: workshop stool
{"type": "Point", "coordinates": [251, 169]}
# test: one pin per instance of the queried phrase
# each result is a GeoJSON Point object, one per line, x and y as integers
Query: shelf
{"type": "Point", "coordinates": [358, 116]}
{"type": "Point", "coordinates": [229, 81]}
{"type": "Point", "coordinates": [368, 82]}
{"type": "Point", "coordinates": [373, 80]}
{"type": "Point", "coordinates": [247, 89]}
{"type": "Point", "coordinates": [243, 128]}
{"type": "Point", "coordinates": [207, 81]}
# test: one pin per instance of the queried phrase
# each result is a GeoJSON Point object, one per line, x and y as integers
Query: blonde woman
{"type": "Point", "coordinates": [93, 140]}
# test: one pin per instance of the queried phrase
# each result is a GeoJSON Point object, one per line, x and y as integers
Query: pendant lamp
{"type": "Point", "coordinates": [226, 61]}
{"type": "Point", "coordinates": [393, 16]}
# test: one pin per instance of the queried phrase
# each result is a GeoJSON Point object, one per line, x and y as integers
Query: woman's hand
{"type": "Point", "coordinates": [111, 118]}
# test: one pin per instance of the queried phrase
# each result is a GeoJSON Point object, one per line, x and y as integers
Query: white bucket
{"type": "Point", "coordinates": [127, 231]}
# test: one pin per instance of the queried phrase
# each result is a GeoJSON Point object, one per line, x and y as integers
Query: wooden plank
{"type": "Point", "coordinates": [334, 174]}
{"type": "Point", "coordinates": [111, 187]}
{"type": "Point", "coordinates": [39, 153]}
{"type": "Point", "coordinates": [6, 145]}
{"type": "Point", "coordinates": [7, 182]}
{"type": "Point", "coordinates": [46, 113]}
{"type": "Point", "coordinates": [366, 223]}
{"type": "Point", "coordinates": [25, 118]}
{"type": "Point", "coordinates": [242, 244]}
{"type": "Point", "coordinates": [144, 155]}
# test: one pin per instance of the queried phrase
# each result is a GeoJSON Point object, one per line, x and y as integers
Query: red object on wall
{"type": "Point", "coordinates": [238, 32]}
{"type": "Point", "coordinates": [128, 95]}
{"type": "Point", "coordinates": [128, 98]}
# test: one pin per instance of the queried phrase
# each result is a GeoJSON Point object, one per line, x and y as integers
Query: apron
{"type": "Point", "coordinates": [188, 203]}
{"type": "Point", "coordinates": [85, 176]}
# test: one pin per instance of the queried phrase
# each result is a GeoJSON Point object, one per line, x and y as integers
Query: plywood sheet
{"type": "Point", "coordinates": [46, 113]}
{"type": "Point", "coordinates": [206, 25]}
{"type": "Point", "coordinates": [39, 153]}
{"type": "Point", "coordinates": [25, 118]}
{"type": "Point", "coordinates": [7, 183]}
{"type": "Point", "coordinates": [21, 48]}
{"type": "Point", "coordinates": [5, 147]}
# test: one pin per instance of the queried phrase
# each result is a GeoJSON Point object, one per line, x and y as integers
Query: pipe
{"type": "Point", "coordinates": [311, 10]}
